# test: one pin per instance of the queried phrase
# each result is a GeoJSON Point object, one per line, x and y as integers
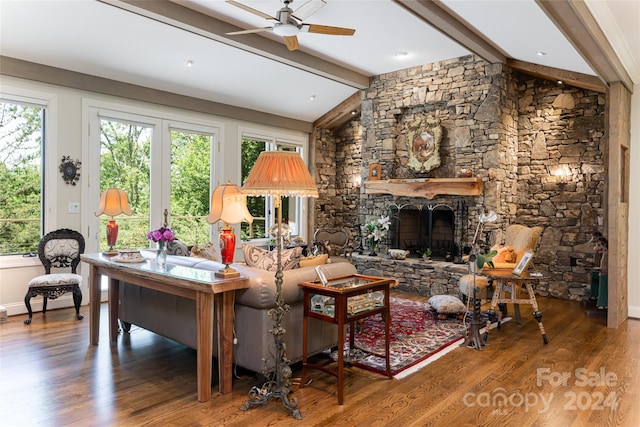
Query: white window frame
{"type": "Point", "coordinates": [274, 138]}
{"type": "Point", "coordinates": [49, 103]}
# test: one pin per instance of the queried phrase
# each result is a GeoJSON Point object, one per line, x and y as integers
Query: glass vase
{"type": "Point", "coordinates": [372, 248]}
{"type": "Point", "coordinates": [161, 255]}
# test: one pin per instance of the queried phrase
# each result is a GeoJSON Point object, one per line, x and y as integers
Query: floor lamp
{"type": "Point", "coordinates": [473, 338]}
{"type": "Point", "coordinates": [278, 174]}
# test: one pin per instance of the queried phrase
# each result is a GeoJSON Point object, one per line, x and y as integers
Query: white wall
{"type": "Point", "coordinates": [634, 207]}
{"type": "Point", "coordinates": [15, 272]}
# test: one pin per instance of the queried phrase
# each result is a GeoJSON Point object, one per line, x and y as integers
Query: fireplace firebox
{"type": "Point", "coordinates": [437, 226]}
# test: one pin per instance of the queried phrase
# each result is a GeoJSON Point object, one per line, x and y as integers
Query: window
{"type": "Point", "coordinates": [21, 176]}
{"type": "Point", "coordinates": [261, 207]}
{"type": "Point", "coordinates": [165, 165]}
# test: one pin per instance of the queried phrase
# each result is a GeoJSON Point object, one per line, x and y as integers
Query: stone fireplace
{"type": "Point", "coordinates": [511, 131]}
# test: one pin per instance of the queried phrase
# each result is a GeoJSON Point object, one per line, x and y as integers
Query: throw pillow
{"type": "Point", "coordinates": [505, 254]}
{"type": "Point", "coordinates": [207, 251]}
{"type": "Point", "coordinates": [447, 304]}
{"type": "Point", "coordinates": [267, 260]}
{"type": "Point", "coordinates": [311, 261]}
{"type": "Point", "coordinates": [177, 247]}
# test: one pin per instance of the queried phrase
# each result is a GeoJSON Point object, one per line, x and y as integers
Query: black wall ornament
{"type": "Point", "coordinates": [70, 170]}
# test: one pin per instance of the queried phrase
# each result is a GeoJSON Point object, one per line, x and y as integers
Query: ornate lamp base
{"type": "Point", "coordinates": [473, 338]}
{"type": "Point", "coordinates": [227, 273]}
{"type": "Point", "coordinates": [262, 395]}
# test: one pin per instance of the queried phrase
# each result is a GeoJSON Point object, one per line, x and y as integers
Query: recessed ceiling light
{"type": "Point", "coordinates": [312, 98]}
{"type": "Point", "coordinates": [189, 63]}
{"type": "Point", "coordinates": [402, 55]}
{"type": "Point", "coordinates": [541, 53]}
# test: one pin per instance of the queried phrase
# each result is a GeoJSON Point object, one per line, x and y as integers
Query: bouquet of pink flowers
{"type": "Point", "coordinates": [162, 234]}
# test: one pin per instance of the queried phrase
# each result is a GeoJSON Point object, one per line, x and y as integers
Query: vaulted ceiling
{"type": "Point", "coordinates": [182, 47]}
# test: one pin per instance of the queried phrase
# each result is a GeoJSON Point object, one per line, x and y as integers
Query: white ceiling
{"type": "Point", "coordinates": [120, 41]}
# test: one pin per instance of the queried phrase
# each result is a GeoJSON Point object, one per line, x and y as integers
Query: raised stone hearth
{"type": "Point", "coordinates": [415, 275]}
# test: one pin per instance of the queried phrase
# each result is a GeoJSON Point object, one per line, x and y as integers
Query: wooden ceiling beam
{"type": "Point", "coordinates": [572, 78]}
{"type": "Point", "coordinates": [341, 114]}
{"type": "Point", "coordinates": [443, 19]}
{"type": "Point", "coordinates": [172, 13]}
{"type": "Point", "coordinates": [574, 19]}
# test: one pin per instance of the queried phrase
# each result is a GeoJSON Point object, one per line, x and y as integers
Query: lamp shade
{"type": "Point", "coordinates": [114, 201]}
{"type": "Point", "coordinates": [280, 173]}
{"type": "Point", "coordinates": [229, 205]}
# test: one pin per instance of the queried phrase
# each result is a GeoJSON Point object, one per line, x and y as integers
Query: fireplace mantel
{"type": "Point", "coordinates": [427, 188]}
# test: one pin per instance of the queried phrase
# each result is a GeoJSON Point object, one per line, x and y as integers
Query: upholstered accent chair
{"type": "Point", "coordinates": [336, 242]}
{"type": "Point", "coordinates": [58, 249]}
{"type": "Point", "coordinates": [518, 240]}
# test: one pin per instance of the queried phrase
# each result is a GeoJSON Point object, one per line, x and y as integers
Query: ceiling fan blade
{"type": "Point", "coordinates": [254, 30]}
{"type": "Point", "coordinates": [308, 9]}
{"type": "Point", "coordinates": [325, 29]}
{"type": "Point", "coordinates": [291, 42]}
{"type": "Point", "coordinates": [251, 10]}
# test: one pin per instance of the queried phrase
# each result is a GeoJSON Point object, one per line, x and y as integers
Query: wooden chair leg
{"type": "Point", "coordinates": [77, 300]}
{"type": "Point", "coordinates": [27, 302]}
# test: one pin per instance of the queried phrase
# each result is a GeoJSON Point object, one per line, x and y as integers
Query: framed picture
{"type": "Point", "coordinates": [375, 170]}
{"type": "Point", "coordinates": [523, 264]}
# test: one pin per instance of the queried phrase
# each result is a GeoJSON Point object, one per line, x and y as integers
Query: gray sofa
{"type": "Point", "coordinates": [174, 317]}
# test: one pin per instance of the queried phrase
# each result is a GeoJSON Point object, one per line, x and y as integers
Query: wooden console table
{"type": "Point", "coordinates": [341, 289]}
{"type": "Point", "coordinates": [196, 284]}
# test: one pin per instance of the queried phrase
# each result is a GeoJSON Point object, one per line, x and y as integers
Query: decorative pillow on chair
{"type": "Point", "coordinates": [267, 260]}
{"type": "Point", "coordinates": [505, 254]}
{"type": "Point", "coordinates": [314, 260]}
{"type": "Point", "coordinates": [207, 251]}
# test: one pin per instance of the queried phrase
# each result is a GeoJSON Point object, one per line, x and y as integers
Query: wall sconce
{"type": "Point", "coordinates": [562, 174]}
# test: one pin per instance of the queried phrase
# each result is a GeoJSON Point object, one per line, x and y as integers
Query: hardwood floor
{"type": "Point", "coordinates": [50, 375]}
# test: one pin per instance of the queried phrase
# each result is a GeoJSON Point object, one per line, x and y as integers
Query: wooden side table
{"type": "Point", "coordinates": [352, 298]}
{"type": "Point", "coordinates": [507, 282]}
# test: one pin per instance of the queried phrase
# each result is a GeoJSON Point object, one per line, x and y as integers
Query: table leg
{"type": "Point", "coordinates": [341, 308]}
{"type": "Point", "coordinates": [536, 313]}
{"type": "Point", "coordinates": [94, 305]}
{"type": "Point", "coordinates": [387, 317]}
{"type": "Point", "coordinates": [224, 314]}
{"type": "Point", "coordinates": [114, 296]}
{"type": "Point", "coordinates": [305, 331]}
{"type": "Point", "coordinates": [204, 338]}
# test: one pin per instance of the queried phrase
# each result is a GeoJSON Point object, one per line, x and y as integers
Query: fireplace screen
{"type": "Point", "coordinates": [437, 227]}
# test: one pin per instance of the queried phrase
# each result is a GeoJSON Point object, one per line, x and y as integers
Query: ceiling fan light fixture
{"type": "Point", "coordinates": [286, 30]}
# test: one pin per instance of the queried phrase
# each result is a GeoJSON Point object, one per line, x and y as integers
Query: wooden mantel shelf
{"type": "Point", "coordinates": [427, 188]}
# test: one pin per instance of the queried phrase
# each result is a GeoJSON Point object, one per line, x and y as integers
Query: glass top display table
{"type": "Point", "coordinates": [345, 300]}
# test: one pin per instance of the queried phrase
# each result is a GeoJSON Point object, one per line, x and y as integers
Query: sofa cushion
{"type": "Point", "coordinates": [314, 260]}
{"type": "Point", "coordinates": [267, 260]}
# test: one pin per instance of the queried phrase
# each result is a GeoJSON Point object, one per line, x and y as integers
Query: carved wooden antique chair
{"type": "Point", "coordinates": [57, 249]}
{"type": "Point", "coordinates": [336, 242]}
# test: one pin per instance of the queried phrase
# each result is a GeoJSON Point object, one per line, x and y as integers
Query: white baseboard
{"type": "Point", "coordinates": [634, 311]}
{"type": "Point", "coordinates": [16, 308]}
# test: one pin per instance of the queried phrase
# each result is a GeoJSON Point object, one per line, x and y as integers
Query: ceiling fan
{"type": "Point", "coordinates": [288, 23]}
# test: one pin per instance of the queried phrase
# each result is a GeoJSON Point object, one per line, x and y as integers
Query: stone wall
{"type": "Point", "coordinates": [513, 131]}
{"type": "Point", "coordinates": [562, 128]}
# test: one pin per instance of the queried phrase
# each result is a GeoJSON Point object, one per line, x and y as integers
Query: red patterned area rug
{"type": "Point", "coordinates": [418, 337]}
